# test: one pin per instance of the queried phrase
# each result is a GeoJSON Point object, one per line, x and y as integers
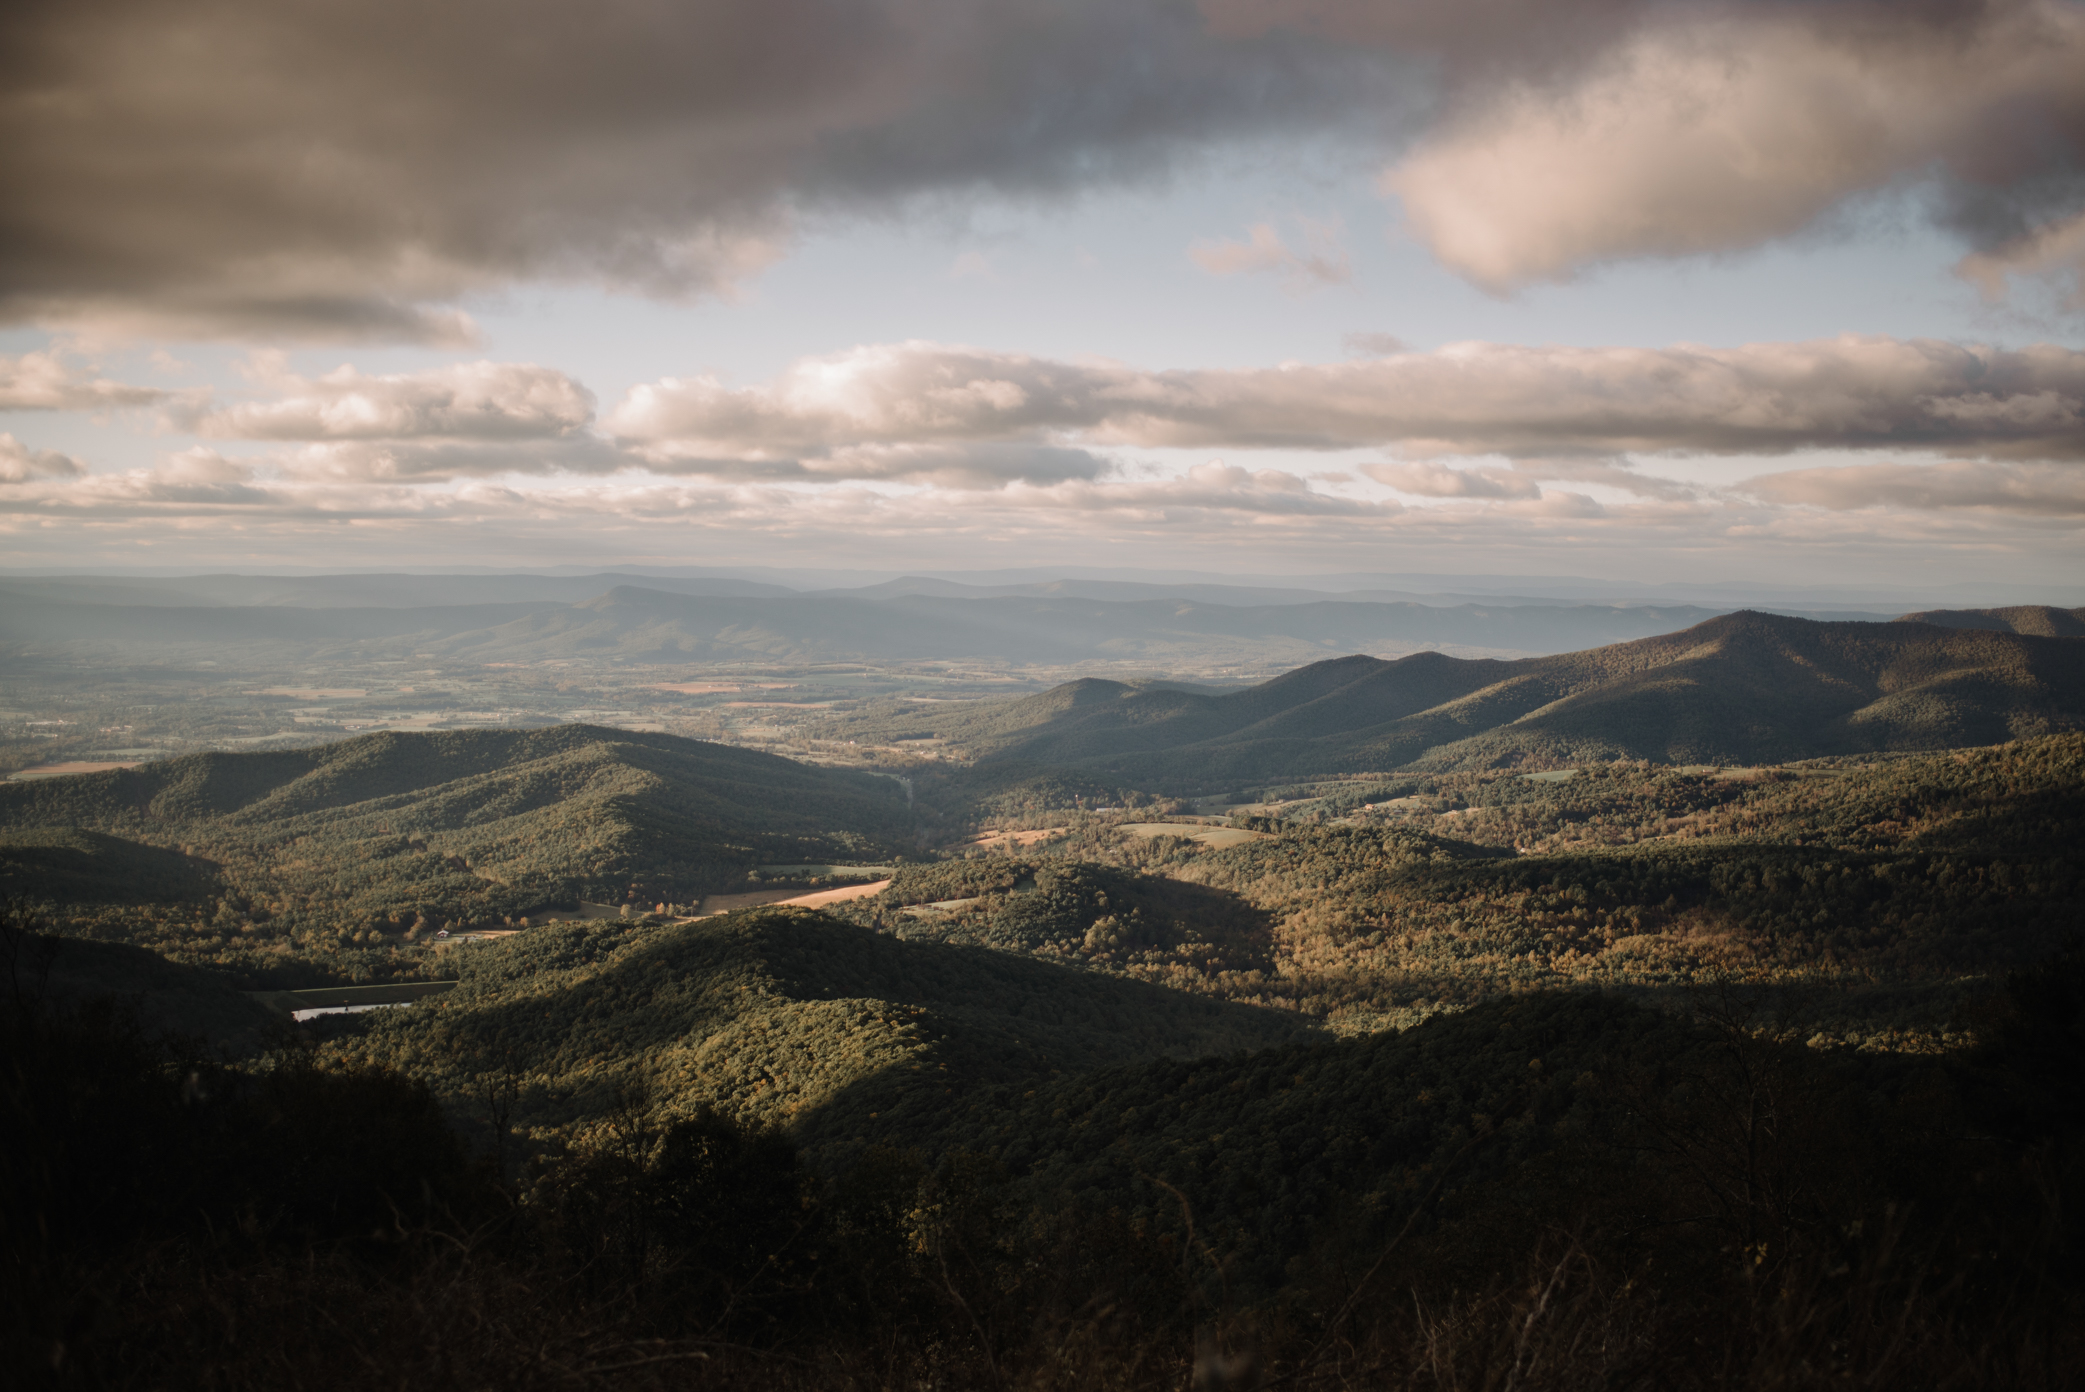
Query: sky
{"type": "Point", "coordinates": [1785, 292]}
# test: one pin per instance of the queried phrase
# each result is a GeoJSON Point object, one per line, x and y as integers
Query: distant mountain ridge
{"type": "Point", "coordinates": [377, 591]}
{"type": "Point", "coordinates": [633, 623]}
{"type": "Point", "coordinates": [2037, 620]}
{"type": "Point", "coordinates": [620, 617]}
{"type": "Point", "coordinates": [1739, 688]}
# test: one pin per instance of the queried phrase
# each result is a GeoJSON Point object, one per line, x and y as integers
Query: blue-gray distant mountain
{"type": "Point", "coordinates": [631, 623]}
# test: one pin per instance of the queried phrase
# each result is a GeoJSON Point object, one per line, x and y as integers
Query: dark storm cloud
{"type": "Point", "coordinates": [303, 168]}
{"type": "Point", "coordinates": [320, 166]}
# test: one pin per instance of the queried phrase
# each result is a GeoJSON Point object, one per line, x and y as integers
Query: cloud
{"type": "Point", "coordinates": [2036, 489]}
{"type": "Point", "coordinates": [1323, 262]}
{"type": "Point", "coordinates": [1570, 134]}
{"type": "Point", "coordinates": [42, 381]}
{"type": "Point", "coordinates": [353, 172]}
{"type": "Point", "coordinates": [2054, 250]}
{"type": "Point", "coordinates": [19, 463]}
{"type": "Point", "coordinates": [237, 168]}
{"type": "Point", "coordinates": [1204, 489]}
{"type": "Point", "coordinates": [484, 419]}
{"type": "Point", "coordinates": [467, 420]}
{"type": "Point", "coordinates": [961, 466]}
{"type": "Point", "coordinates": [202, 509]}
{"type": "Point", "coordinates": [1430, 480]}
{"type": "Point", "coordinates": [438, 461]}
{"type": "Point", "coordinates": [469, 401]}
{"type": "Point", "coordinates": [1713, 129]}
{"type": "Point", "coordinates": [1538, 403]}
{"type": "Point", "coordinates": [201, 465]}
{"type": "Point", "coordinates": [904, 393]}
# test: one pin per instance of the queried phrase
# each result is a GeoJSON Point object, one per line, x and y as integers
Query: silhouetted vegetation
{"type": "Point", "coordinates": [1567, 1190]}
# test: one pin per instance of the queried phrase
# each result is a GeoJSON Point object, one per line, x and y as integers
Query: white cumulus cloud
{"type": "Point", "coordinates": [44, 381]}
{"type": "Point", "coordinates": [469, 401]}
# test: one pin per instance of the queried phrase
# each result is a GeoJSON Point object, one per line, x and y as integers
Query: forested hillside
{"type": "Point", "coordinates": [1743, 688]}
{"type": "Point", "coordinates": [306, 866]}
{"type": "Point", "coordinates": [779, 1017]}
{"type": "Point", "coordinates": [1692, 1076]}
{"type": "Point", "coordinates": [1885, 890]}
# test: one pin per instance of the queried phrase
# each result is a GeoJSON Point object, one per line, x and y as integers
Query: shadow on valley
{"type": "Point", "coordinates": [778, 1016]}
{"type": "Point", "coordinates": [1549, 1190]}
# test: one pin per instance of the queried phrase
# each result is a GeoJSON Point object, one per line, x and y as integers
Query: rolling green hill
{"type": "Point", "coordinates": [1740, 688]}
{"type": "Point", "coordinates": [344, 852]}
{"type": "Point", "coordinates": [783, 1017]}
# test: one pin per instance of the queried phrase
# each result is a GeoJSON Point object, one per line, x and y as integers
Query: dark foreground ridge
{"type": "Point", "coordinates": [1569, 1189]}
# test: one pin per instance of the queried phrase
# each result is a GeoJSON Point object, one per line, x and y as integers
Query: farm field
{"type": "Point", "coordinates": [71, 767]}
{"type": "Point", "coordinates": [1218, 836]}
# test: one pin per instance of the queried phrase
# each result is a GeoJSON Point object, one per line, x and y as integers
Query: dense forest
{"type": "Point", "coordinates": [1882, 893]}
{"type": "Point", "coordinates": [1548, 1190]}
{"type": "Point", "coordinates": [1623, 1073]}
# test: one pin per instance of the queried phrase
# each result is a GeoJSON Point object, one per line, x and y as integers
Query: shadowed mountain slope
{"type": "Point", "coordinates": [786, 1017]}
{"type": "Point", "coordinates": [166, 997]}
{"type": "Point", "coordinates": [1739, 688]}
{"type": "Point", "coordinates": [2037, 620]}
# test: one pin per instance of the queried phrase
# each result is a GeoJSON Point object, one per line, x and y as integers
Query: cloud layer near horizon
{"type": "Point", "coordinates": [1847, 393]}
{"type": "Point", "coordinates": [201, 510]}
{"type": "Point", "coordinates": [948, 416]}
{"type": "Point", "coordinates": [228, 167]}
{"type": "Point", "coordinates": [940, 446]}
